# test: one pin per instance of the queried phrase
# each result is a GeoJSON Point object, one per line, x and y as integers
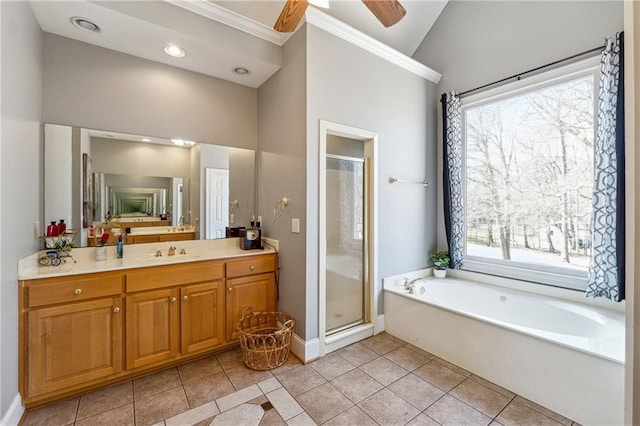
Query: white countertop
{"type": "Point", "coordinates": [137, 256]}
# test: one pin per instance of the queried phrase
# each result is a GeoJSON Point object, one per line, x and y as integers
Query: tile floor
{"type": "Point", "coordinates": [381, 380]}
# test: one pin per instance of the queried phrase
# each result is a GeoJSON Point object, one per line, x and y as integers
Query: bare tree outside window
{"type": "Point", "coordinates": [529, 168]}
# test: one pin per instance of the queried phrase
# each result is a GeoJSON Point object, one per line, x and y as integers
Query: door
{"type": "Point", "coordinates": [73, 344]}
{"type": "Point", "coordinates": [202, 316]}
{"type": "Point", "coordinates": [256, 291]}
{"type": "Point", "coordinates": [152, 327]}
{"type": "Point", "coordinates": [217, 199]}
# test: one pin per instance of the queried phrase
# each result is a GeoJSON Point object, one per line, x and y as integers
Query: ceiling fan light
{"type": "Point", "coordinates": [320, 3]}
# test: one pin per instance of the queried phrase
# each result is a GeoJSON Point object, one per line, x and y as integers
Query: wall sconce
{"type": "Point", "coordinates": [233, 206]}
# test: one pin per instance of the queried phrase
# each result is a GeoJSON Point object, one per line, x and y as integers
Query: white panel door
{"type": "Point", "coordinates": [217, 199]}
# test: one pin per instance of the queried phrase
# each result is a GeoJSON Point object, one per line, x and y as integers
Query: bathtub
{"type": "Point", "coordinates": [566, 356]}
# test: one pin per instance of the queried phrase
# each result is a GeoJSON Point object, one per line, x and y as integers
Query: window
{"type": "Point", "coordinates": [528, 176]}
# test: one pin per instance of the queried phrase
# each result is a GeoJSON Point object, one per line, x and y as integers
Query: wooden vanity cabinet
{"type": "Point", "coordinates": [71, 331]}
{"type": "Point", "coordinates": [250, 283]}
{"type": "Point", "coordinates": [174, 311]}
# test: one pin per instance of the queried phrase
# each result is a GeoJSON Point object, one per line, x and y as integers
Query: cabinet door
{"type": "Point", "coordinates": [202, 316]}
{"type": "Point", "coordinates": [152, 327]}
{"type": "Point", "coordinates": [73, 344]}
{"type": "Point", "coordinates": [255, 291]}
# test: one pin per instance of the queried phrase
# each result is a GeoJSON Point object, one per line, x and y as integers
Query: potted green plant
{"type": "Point", "coordinates": [441, 260]}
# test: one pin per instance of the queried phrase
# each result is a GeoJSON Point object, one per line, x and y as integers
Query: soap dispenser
{"type": "Point", "coordinates": [120, 247]}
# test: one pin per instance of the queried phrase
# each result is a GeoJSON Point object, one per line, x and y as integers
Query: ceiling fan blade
{"type": "Point", "coordinates": [388, 12]}
{"type": "Point", "coordinates": [290, 16]}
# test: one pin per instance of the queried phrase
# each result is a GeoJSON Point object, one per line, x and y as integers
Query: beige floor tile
{"type": "Point", "coordinates": [519, 414]}
{"type": "Point", "coordinates": [241, 376]}
{"type": "Point", "coordinates": [195, 415]}
{"type": "Point", "coordinates": [245, 415]}
{"type": "Point", "coordinates": [161, 423]}
{"type": "Point", "coordinates": [301, 379]}
{"type": "Point", "coordinates": [452, 367]}
{"type": "Point", "coordinates": [284, 403]}
{"type": "Point", "coordinates": [272, 418]}
{"type": "Point", "coordinates": [420, 351]}
{"type": "Point", "coordinates": [394, 338]}
{"type": "Point", "coordinates": [356, 385]}
{"type": "Point", "coordinates": [323, 402]}
{"type": "Point", "coordinates": [423, 420]}
{"type": "Point", "coordinates": [121, 416]}
{"type": "Point", "coordinates": [387, 408]}
{"type": "Point", "coordinates": [492, 386]}
{"type": "Point", "coordinates": [480, 397]}
{"type": "Point", "coordinates": [238, 397]}
{"type": "Point", "coordinates": [381, 344]}
{"type": "Point", "coordinates": [450, 411]}
{"type": "Point", "coordinates": [230, 359]}
{"type": "Point", "coordinates": [352, 416]}
{"type": "Point", "coordinates": [416, 391]}
{"type": "Point", "coordinates": [57, 413]}
{"type": "Point", "coordinates": [357, 354]}
{"type": "Point", "coordinates": [302, 419]}
{"type": "Point", "coordinates": [198, 369]}
{"type": "Point", "coordinates": [407, 358]}
{"type": "Point", "coordinates": [383, 370]}
{"type": "Point", "coordinates": [160, 406]}
{"type": "Point", "coordinates": [332, 366]}
{"type": "Point", "coordinates": [439, 375]}
{"type": "Point", "coordinates": [105, 399]}
{"type": "Point", "coordinates": [155, 383]}
{"type": "Point", "coordinates": [555, 416]}
{"type": "Point", "coordinates": [290, 363]}
{"type": "Point", "coordinates": [268, 385]}
{"type": "Point", "coordinates": [207, 389]}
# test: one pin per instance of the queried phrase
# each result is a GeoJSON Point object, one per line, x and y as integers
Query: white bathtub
{"type": "Point", "coordinates": [566, 356]}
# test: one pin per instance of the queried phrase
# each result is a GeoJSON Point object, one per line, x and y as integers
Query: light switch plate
{"type": "Point", "coordinates": [295, 225]}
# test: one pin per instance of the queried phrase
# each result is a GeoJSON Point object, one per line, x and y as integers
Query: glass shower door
{"type": "Point", "coordinates": [345, 226]}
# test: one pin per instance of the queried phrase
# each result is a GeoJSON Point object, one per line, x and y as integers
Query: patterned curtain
{"type": "Point", "coordinates": [606, 270]}
{"type": "Point", "coordinates": [452, 157]}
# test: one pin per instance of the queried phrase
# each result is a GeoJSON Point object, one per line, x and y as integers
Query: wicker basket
{"type": "Point", "coordinates": [265, 338]}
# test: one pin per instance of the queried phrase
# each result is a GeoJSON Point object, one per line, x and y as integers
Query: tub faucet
{"type": "Point", "coordinates": [172, 251]}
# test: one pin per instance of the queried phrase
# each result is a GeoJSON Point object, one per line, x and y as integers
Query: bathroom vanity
{"type": "Point", "coordinates": [81, 330]}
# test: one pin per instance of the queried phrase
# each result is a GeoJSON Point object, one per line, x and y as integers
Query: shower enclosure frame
{"type": "Point", "coordinates": [372, 324]}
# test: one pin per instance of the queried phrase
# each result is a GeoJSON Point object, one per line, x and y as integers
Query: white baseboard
{"type": "Point", "coordinates": [380, 324]}
{"type": "Point", "coordinates": [305, 350]}
{"type": "Point", "coordinates": [14, 413]}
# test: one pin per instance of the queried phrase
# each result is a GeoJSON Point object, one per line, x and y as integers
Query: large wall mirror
{"type": "Point", "coordinates": [97, 177]}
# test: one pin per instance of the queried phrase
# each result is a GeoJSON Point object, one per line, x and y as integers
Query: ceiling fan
{"type": "Point", "coordinates": [388, 12]}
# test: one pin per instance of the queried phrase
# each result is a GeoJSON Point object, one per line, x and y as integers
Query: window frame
{"type": "Point", "coordinates": [523, 271]}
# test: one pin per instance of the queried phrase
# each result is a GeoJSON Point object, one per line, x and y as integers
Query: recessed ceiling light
{"type": "Point", "coordinates": [175, 51]}
{"type": "Point", "coordinates": [241, 71]}
{"type": "Point", "coordinates": [85, 24]}
{"type": "Point", "coordinates": [146, 140]}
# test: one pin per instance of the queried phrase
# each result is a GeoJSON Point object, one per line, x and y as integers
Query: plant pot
{"type": "Point", "coordinates": [440, 273]}
{"type": "Point", "coordinates": [101, 253]}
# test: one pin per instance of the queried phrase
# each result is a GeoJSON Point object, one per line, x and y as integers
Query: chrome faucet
{"type": "Point", "coordinates": [172, 251]}
{"type": "Point", "coordinates": [158, 253]}
{"type": "Point", "coordinates": [183, 251]}
{"type": "Point", "coordinates": [181, 221]}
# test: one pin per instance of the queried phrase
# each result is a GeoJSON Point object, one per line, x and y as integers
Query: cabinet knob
{"type": "Point", "coordinates": [185, 297]}
{"type": "Point", "coordinates": [116, 310]}
{"type": "Point", "coordinates": [173, 300]}
{"type": "Point", "coordinates": [230, 288]}
{"type": "Point", "coordinates": [252, 267]}
{"type": "Point", "coordinates": [77, 291]}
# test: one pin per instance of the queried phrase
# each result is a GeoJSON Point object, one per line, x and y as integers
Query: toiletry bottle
{"type": "Point", "coordinates": [91, 233]}
{"type": "Point", "coordinates": [120, 248]}
{"type": "Point", "coordinates": [52, 230]}
{"type": "Point", "coordinates": [62, 227]}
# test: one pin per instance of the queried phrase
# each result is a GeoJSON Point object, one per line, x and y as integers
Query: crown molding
{"type": "Point", "coordinates": [340, 29]}
{"type": "Point", "coordinates": [232, 19]}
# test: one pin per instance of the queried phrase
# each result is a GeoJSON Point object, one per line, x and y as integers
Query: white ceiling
{"type": "Point", "coordinates": [219, 35]}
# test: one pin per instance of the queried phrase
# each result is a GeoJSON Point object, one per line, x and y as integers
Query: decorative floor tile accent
{"type": "Point", "coordinates": [268, 385]}
{"type": "Point", "coordinates": [195, 415]}
{"type": "Point", "coordinates": [238, 397]}
{"type": "Point", "coordinates": [245, 414]}
{"type": "Point", "coordinates": [284, 403]}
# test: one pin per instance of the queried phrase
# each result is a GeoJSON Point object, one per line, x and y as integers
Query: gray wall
{"type": "Point", "coordinates": [477, 42]}
{"type": "Point", "coordinates": [343, 88]}
{"type": "Point", "coordinates": [97, 88]}
{"type": "Point", "coordinates": [20, 175]}
{"type": "Point", "coordinates": [282, 172]}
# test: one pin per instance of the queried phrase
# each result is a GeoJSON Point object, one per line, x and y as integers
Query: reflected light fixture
{"type": "Point", "coordinates": [178, 142]}
{"type": "Point", "coordinates": [175, 51]}
{"type": "Point", "coordinates": [146, 140]}
{"type": "Point", "coordinates": [85, 24]}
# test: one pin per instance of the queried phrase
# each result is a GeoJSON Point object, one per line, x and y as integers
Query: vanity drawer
{"type": "Point", "coordinates": [169, 276]}
{"type": "Point", "coordinates": [72, 290]}
{"type": "Point", "coordinates": [256, 265]}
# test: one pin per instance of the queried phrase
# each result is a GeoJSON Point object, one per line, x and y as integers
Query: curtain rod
{"type": "Point", "coordinates": [520, 75]}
